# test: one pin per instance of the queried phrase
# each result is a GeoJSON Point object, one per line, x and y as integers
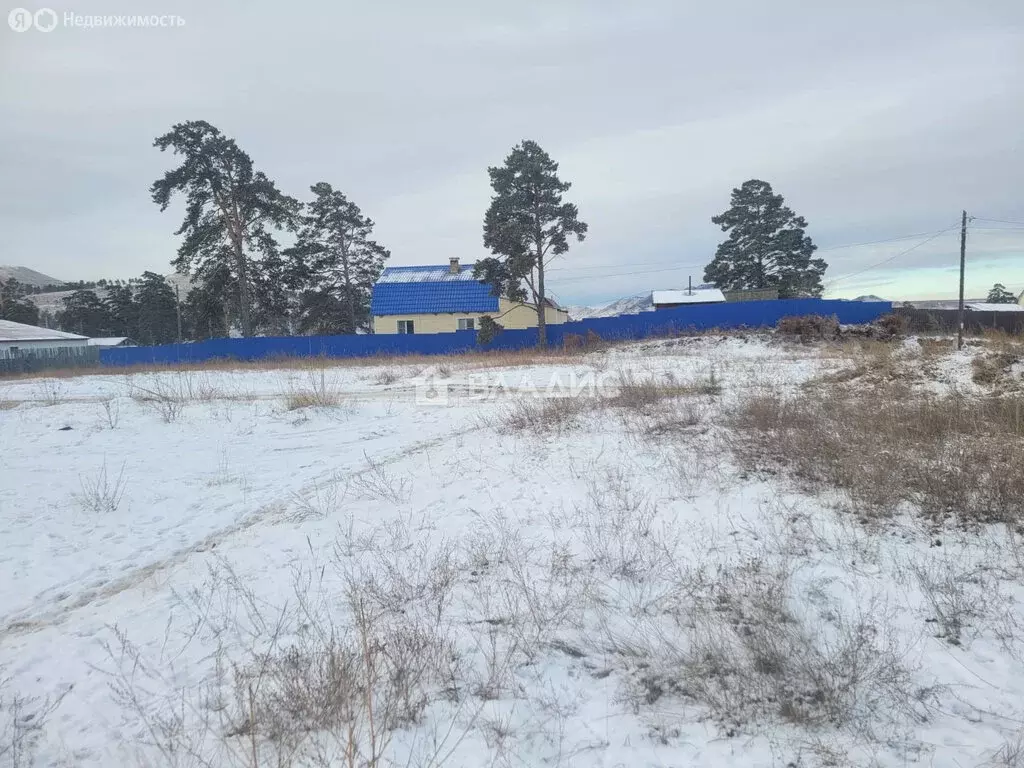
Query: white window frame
{"type": "Point", "coordinates": [407, 326]}
{"type": "Point", "coordinates": [467, 324]}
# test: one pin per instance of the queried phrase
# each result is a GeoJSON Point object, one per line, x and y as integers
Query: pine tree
{"type": "Point", "coordinates": [526, 225]}
{"type": "Point", "coordinates": [203, 313]}
{"type": "Point", "coordinates": [156, 310]}
{"type": "Point", "coordinates": [85, 314]}
{"type": "Point", "coordinates": [15, 304]}
{"type": "Point", "coordinates": [999, 295]}
{"type": "Point", "coordinates": [122, 309]}
{"type": "Point", "coordinates": [767, 246]}
{"type": "Point", "coordinates": [231, 209]}
{"type": "Point", "coordinates": [335, 263]}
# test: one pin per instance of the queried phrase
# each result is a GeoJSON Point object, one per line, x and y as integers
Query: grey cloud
{"type": "Point", "coordinates": [876, 120]}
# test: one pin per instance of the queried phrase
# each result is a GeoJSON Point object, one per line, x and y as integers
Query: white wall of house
{"type": "Point", "coordinates": [25, 346]}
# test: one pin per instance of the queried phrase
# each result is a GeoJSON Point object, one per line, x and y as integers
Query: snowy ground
{"type": "Point", "coordinates": [163, 535]}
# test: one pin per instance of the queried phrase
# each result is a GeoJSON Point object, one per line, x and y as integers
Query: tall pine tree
{"type": "Point", "coordinates": [85, 314]}
{"type": "Point", "coordinates": [203, 311]}
{"type": "Point", "coordinates": [999, 295]}
{"type": "Point", "coordinates": [231, 209]}
{"type": "Point", "coordinates": [156, 310]}
{"type": "Point", "coordinates": [122, 309]}
{"type": "Point", "coordinates": [526, 225]}
{"type": "Point", "coordinates": [766, 246]}
{"type": "Point", "coordinates": [335, 263]}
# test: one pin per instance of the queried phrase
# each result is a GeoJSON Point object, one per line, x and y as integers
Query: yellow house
{"type": "Point", "coordinates": [443, 299]}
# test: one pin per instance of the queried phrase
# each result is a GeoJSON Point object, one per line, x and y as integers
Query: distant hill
{"type": "Point", "coordinates": [869, 297]}
{"type": "Point", "coordinates": [27, 276]}
{"type": "Point", "coordinates": [52, 301]}
{"type": "Point", "coordinates": [629, 305]}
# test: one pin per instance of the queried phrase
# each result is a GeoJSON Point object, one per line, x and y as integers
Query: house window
{"type": "Point", "coordinates": [467, 323]}
{"type": "Point", "coordinates": [405, 326]}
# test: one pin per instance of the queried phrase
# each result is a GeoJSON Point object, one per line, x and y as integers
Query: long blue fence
{"type": "Point", "coordinates": [753, 314]}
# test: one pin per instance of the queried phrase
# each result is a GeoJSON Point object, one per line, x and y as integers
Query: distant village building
{"type": "Point", "coordinates": [19, 339]}
{"type": "Point", "coordinates": [981, 306]}
{"type": "Point", "coordinates": [444, 299]}
{"type": "Point", "coordinates": [112, 341]}
{"type": "Point", "coordinates": [672, 299]}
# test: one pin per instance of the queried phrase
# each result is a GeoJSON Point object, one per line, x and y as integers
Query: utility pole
{"type": "Point", "coordinates": [177, 307]}
{"type": "Point", "coordinates": [963, 264]}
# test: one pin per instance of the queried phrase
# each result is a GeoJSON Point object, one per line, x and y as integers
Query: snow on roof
{"type": "Point", "coordinates": [109, 341]}
{"type": "Point", "coordinates": [696, 296]}
{"type": "Point", "coordinates": [984, 307]}
{"type": "Point", "coordinates": [12, 331]}
{"type": "Point", "coordinates": [433, 273]}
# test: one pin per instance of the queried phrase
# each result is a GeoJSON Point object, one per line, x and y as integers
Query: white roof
{"type": "Point", "coordinates": [983, 307]}
{"type": "Point", "coordinates": [696, 296]}
{"type": "Point", "coordinates": [12, 331]}
{"type": "Point", "coordinates": [110, 341]}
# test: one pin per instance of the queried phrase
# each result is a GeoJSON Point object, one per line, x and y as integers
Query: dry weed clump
{"type": "Point", "coordinates": [642, 395]}
{"type": "Point", "coordinates": [168, 394]}
{"type": "Point", "coordinates": [738, 638]}
{"type": "Point", "coordinates": [326, 678]}
{"type": "Point", "coordinates": [752, 657]}
{"type": "Point", "coordinates": [932, 348]}
{"type": "Point", "coordinates": [102, 493]}
{"type": "Point", "coordinates": [993, 368]}
{"type": "Point", "coordinates": [317, 391]}
{"type": "Point", "coordinates": [543, 415]}
{"type": "Point", "coordinates": [809, 327]}
{"type": "Point", "coordinates": [892, 325]}
{"type": "Point", "coordinates": [949, 456]}
{"type": "Point", "coordinates": [22, 722]}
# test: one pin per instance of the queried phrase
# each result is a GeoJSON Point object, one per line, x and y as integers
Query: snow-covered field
{"type": "Point", "coordinates": [197, 572]}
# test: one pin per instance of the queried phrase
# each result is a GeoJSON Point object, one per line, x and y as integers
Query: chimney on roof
{"type": "Point", "coordinates": [453, 265]}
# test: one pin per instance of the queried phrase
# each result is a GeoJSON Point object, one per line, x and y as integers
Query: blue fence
{"type": "Point", "coordinates": [752, 314]}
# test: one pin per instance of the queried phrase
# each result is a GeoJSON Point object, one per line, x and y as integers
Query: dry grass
{"type": "Point", "coordinates": [993, 368]}
{"type": "Point", "coordinates": [317, 390]}
{"type": "Point", "coordinates": [751, 657]}
{"type": "Point", "coordinates": [870, 360]}
{"type": "Point", "coordinates": [809, 327]}
{"type": "Point", "coordinates": [543, 415]}
{"type": "Point", "coordinates": [22, 723]}
{"type": "Point", "coordinates": [102, 493]}
{"type": "Point", "coordinates": [8, 405]}
{"type": "Point", "coordinates": [947, 456]}
{"type": "Point", "coordinates": [471, 359]}
{"type": "Point", "coordinates": [644, 394]}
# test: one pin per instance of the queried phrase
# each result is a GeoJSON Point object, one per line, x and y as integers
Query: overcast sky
{"type": "Point", "coordinates": [875, 120]}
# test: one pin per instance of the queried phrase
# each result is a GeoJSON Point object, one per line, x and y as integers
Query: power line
{"type": "Point", "coordinates": [999, 221]}
{"type": "Point", "coordinates": [616, 266]}
{"type": "Point", "coordinates": [894, 257]}
{"type": "Point", "coordinates": [625, 274]}
{"type": "Point", "coordinates": [872, 242]}
{"type": "Point", "coordinates": [695, 266]}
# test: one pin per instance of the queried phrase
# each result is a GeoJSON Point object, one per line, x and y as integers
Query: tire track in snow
{"type": "Point", "coordinates": [29, 620]}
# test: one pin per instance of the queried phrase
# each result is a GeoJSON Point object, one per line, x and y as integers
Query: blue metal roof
{"type": "Point", "coordinates": [429, 290]}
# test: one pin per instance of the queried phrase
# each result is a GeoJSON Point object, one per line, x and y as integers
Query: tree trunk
{"type": "Point", "coordinates": [350, 306]}
{"type": "Point", "coordinates": [243, 288]}
{"type": "Point", "coordinates": [542, 326]}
